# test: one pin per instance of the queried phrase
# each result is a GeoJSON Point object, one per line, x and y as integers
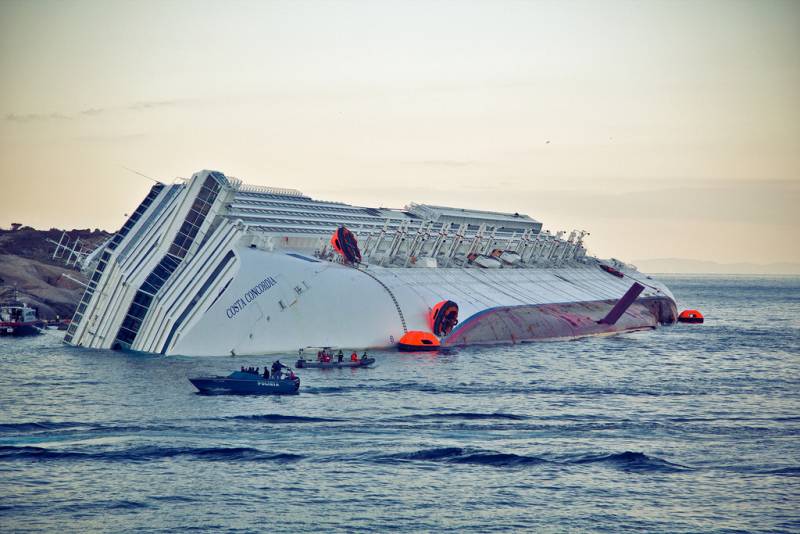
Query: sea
{"type": "Point", "coordinates": [687, 428]}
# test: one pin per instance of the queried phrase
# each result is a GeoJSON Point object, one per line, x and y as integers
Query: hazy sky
{"type": "Point", "coordinates": [666, 129]}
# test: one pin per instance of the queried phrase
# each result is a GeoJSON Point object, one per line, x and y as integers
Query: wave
{"type": "Point", "coordinates": [498, 459]}
{"type": "Point", "coordinates": [458, 455]}
{"type": "Point", "coordinates": [466, 415]}
{"type": "Point", "coordinates": [784, 471]}
{"type": "Point", "coordinates": [147, 454]}
{"type": "Point", "coordinates": [277, 418]}
{"type": "Point", "coordinates": [632, 461]}
{"type": "Point", "coordinates": [8, 452]}
{"type": "Point", "coordinates": [628, 461]}
{"type": "Point", "coordinates": [35, 426]}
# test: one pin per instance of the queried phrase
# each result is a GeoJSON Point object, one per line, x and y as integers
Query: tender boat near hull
{"type": "Point", "coordinates": [312, 364]}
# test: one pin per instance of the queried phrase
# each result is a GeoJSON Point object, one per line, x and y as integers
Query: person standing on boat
{"type": "Point", "coordinates": [364, 356]}
{"type": "Point", "coordinates": [276, 369]}
{"type": "Point", "coordinates": [354, 357]}
{"type": "Point", "coordinates": [340, 356]}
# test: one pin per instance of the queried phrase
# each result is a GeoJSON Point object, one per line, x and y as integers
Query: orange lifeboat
{"type": "Point", "coordinates": [345, 243]}
{"type": "Point", "coordinates": [443, 317]}
{"type": "Point", "coordinates": [417, 340]}
{"type": "Point", "coordinates": [690, 316]}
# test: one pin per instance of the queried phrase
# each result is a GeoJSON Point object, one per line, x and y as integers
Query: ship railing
{"type": "Point", "coordinates": [269, 190]}
{"type": "Point", "coordinates": [403, 246]}
{"type": "Point", "coordinates": [234, 183]}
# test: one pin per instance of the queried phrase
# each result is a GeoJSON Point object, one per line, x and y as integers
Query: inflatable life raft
{"type": "Point", "coordinates": [417, 340]}
{"type": "Point", "coordinates": [690, 316]}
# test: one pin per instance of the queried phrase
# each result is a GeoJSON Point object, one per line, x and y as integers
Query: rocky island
{"type": "Point", "coordinates": [28, 267]}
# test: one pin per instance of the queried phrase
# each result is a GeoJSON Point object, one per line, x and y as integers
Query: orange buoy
{"type": "Point", "coordinates": [443, 317]}
{"type": "Point", "coordinates": [690, 316]}
{"type": "Point", "coordinates": [417, 340]}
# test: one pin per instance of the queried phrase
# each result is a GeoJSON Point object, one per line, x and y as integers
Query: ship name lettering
{"type": "Point", "coordinates": [250, 296]}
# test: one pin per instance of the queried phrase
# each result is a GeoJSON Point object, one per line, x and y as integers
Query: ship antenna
{"type": "Point", "coordinates": [141, 174]}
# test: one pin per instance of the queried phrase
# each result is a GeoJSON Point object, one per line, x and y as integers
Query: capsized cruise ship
{"type": "Point", "coordinates": [211, 266]}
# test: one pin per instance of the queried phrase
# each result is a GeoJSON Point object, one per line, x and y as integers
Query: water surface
{"type": "Point", "coordinates": [683, 429]}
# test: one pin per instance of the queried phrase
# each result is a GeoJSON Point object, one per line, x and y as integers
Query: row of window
{"type": "Point", "coordinates": [103, 262]}
{"type": "Point", "coordinates": [169, 263]}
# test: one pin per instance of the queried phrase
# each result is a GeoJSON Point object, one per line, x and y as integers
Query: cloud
{"type": "Point", "coordinates": [89, 112]}
{"type": "Point", "coordinates": [33, 117]}
{"type": "Point", "coordinates": [138, 106]}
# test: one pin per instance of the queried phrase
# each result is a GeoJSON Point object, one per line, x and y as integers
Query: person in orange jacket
{"type": "Point", "coordinates": [354, 357]}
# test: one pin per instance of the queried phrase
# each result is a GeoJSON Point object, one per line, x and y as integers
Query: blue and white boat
{"type": "Point", "coordinates": [246, 383]}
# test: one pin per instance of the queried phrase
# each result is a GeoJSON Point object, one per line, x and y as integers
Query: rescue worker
{"type": "Point", "coordinates": [354, 357]}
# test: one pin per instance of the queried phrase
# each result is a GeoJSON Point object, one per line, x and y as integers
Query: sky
{"type": "Point", "coordinates": [665, 129]}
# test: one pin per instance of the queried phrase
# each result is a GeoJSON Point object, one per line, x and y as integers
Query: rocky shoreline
{"type": "Point", "coordinates": [28, 269]}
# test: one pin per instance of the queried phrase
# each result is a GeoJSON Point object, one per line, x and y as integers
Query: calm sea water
{"type": "Point", "coordinates": [684, 429]}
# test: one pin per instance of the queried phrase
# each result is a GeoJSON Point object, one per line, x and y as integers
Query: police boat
{"type": "Point", "coordinates": [248, 383]}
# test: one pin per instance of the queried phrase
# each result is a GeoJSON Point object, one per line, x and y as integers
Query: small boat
{"type": "Point", "coordinates": [246, 383]}
{"type": "Point", "coordinates": [313, 364]}
{"type": "Point", "coordinates": [19, 319]}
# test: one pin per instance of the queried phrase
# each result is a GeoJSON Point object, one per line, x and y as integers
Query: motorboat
{"type": "Point", "coordinates": [247, 383]}
{"type": "Point", "coordinates": [302, 363]}
{"type": "Point", "coordinates": [19, 319]}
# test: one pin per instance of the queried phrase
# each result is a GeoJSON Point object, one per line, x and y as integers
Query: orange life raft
{"type": "Point", "coordinates": [690, 316]}
{"type": "Point", "coordinates": [346, 244]}
{"type": "Point", "coordinates": [443, 317]}
{"type": "Point", "coordinates": [417, 340]}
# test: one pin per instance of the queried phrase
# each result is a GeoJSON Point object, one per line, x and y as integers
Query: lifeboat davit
{"type": "Point", "coordinates": [443, 317]}
{"type": "Point", "coordinates": [417, 340]}
{"type": "Point", "coordinates": [345, 243]}
{"type": "Point", "coordinates": [690, 316]}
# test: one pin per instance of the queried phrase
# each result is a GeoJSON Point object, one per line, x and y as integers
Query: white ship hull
{"type": "Point", "coordinates": [238, 291]}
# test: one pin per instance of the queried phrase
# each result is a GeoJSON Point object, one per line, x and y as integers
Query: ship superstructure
{"type": "Point", "coordinates": [211, 266]}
